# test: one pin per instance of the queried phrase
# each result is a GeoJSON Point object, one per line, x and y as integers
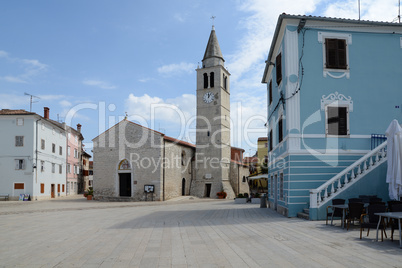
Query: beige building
{"type": "Point", "coordinates": [133, 162]}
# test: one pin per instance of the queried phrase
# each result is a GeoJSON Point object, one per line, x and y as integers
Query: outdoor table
{"type": "Point", "coordinates": [390, 215]}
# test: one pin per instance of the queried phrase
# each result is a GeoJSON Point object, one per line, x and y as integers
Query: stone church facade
{"type": "Point", "coordinates": [132, 162]}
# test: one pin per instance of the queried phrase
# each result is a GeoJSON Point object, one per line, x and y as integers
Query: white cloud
{"type": "Point", "coordinates": [385, 10]}
{"type": "Point", "coordinates": [10, 101]}
{"type": "Point", "coordinates": [13, 79]}
{"type": "Point", "coordinates": [3, 54]}
{"type": "Point", "coordinates": [65, 103]}
{"type": "Point", "coordinates": [31, 68]}
{"type": "Point", "coordinates": [177, 69]}
{"type": "Point", "coordinates": [98, 83]}
{"type": "Point", "coordinates": [179, 17]}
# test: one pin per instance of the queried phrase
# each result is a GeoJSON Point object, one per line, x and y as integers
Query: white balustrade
{"type": "Point", "coordinates": [329, 189]}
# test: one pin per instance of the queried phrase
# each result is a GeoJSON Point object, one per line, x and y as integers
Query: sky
{"type": "Point", "coordinates": [93, 62]}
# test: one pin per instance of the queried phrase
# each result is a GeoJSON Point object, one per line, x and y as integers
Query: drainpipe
{"type": "Point", "coordinates": [36, 153]}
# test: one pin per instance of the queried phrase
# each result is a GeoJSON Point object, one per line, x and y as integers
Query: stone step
{"type": "Point", "coordinates": [303, 215]}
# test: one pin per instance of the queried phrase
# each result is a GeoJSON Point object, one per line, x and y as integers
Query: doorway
{"type": "Point", "coordinates": [207, 190]}
{"type": "Point", "coordinates": [52, 190]}
{"type": "Point", "coordinates": [125, 184]}
{"type": "Point", "coordinates": [183, 186]}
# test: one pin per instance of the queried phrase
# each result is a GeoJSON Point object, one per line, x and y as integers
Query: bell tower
{"type": "Point", "coordinates": [213, 151]}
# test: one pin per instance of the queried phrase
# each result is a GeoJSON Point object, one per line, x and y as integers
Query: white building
{"type": "Point", "coordinates": [32, 155]}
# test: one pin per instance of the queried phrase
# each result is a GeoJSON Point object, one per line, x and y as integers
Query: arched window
{"type": "Point", "coordinates": [183, 158]}
{"type": "Point", "coordinates": [205, 80]}
{"type": "Point", "coordinates": [225, 80]}
{"type": "Point", "coordinates": [211, 79]}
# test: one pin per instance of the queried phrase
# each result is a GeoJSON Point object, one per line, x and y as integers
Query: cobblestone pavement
{"type": "Point", "coordinates": [74, 232]}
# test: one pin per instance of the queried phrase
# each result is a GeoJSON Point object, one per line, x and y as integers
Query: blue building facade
{"type": "Point", "coordinates": [331, 84]}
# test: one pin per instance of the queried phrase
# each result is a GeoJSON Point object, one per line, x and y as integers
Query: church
{"type": "Point", "coordinates": [135, 163]}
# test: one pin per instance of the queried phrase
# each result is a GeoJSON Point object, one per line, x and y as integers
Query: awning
{"type": "Point", "coordinates": [261, 176]}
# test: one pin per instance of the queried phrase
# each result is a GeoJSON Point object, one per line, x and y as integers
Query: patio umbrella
{"type": "Point", "coordinates": [394, 166]}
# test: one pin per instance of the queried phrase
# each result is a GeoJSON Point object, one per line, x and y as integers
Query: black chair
{"type": "Point", "coordinates": [372, 220]}
{"type": "Point", "coordinates": [337, 211]}
{"type": "Point", "coordinates": [395, 208]}
{"type": "Point", "coordinates": [355, 200]}
{"type": "Point", "coordinates": [377, 203]}
{"type": "Point", "coordinates": [374, 200]}
{"type": "Point", "coordinates": [354, 212]}
{"type": "Point", "coordinates": [391, 203]}
{"type": "Point", "coordinates": [365, 198]}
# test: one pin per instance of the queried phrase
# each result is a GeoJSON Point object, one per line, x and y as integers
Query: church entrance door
{"type": "Point", "coordinates": [207, 190]}
{"type": "Point", "coordinates": [183, 186]}
{"type": "Point", "coordinates": [125, 184]}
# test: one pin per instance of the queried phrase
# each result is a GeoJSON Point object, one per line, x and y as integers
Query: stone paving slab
{"type": "Point", "coordinates": [180, 233]}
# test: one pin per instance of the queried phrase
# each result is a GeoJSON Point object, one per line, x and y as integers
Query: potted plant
{"type": "Point", "coordinates": [240, 199]}
{"type": "Point", "coordinates": [90, 193]}
{"type": "Point", "coordinates": [221, 195]}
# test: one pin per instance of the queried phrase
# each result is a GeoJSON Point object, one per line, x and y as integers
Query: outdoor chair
{"type": "Point", "coordinates": [369, 220]}
{"type": "Point", "coordinates": [391, 203]}
{"type": "Point", "coordinates": [365, 198]}
{"type": "Point", "coordinates": [374, 199]}
{"type": "Point", "coordinates": [394, 225]}
{"type": "Point", "coordinates": [337, 211]}
{"type": "Point", "coordinates": [354, 212]}
{"type": "Point", "coordinates": [355, 200]}
{"type": "Point", "coordinates": [377, 203]}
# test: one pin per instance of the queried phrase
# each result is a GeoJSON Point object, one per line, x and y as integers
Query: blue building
{"type": "Point", "coordinates": [331, 83]}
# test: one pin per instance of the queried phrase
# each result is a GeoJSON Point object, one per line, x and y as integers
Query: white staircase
{"type": "Point", "coordinates": [349, 176]}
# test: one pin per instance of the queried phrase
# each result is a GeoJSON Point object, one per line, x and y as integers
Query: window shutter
{"type": "Point", "coordinates": [332, 120]}
{"type": "Point", "coordinates": [343, 126]}
{"type": "Point", "coordinates": [335, 50]}
{"type": "Point", "coordinates": [17, 164]}
{"type": "Point", "coordinates": [278, 63]}
{"type": "Point", "coordinates": [23, 164]}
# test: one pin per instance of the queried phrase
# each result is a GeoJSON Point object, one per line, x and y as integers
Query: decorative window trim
{"type": "Point", "coordinates": [340, 72]}
{"type": "Point", "coordinates": [337, 99]}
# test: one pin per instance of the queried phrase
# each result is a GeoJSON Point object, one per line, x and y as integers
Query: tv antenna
{"type": "Point", "coordinates": [31, 100]}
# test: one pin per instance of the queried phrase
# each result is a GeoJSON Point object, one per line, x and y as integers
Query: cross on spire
{"type": "Point", "coordinates": [213, 21]}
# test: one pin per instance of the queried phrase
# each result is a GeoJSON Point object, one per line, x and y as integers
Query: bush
{"type": "Point", "coordinates": [256, 195]}
{"type": "Point", "coordinates": [246, 195]}
{"type": "Point", "coordinates": [240, 196]}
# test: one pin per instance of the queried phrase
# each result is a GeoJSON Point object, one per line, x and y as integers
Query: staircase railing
{"type": "Point", "coordinates": [348, 176]}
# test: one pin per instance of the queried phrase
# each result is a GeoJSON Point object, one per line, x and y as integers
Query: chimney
{"type": "Point", "coordinates": [46, 112]}
{"type": "Point", "coordinates": [79, 128]}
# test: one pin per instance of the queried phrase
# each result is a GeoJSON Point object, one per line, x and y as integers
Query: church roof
{"type": "Point", "coordinates": [213, 49]}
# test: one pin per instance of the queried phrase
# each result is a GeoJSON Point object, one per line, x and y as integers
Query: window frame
{"type": "Point", "coordinates": [19, 164]}
{"type": "Point", "coordinates": [43, 144]}
{"type": "Point", "coordinates": [19, 141]}
{"type": "Point", "coordinates": [280, 129]}
{"type": "Point", "coordinates": [278, 68]}
{"type": "Point", "coordinates": [337, 54]}
{"type": "Point", "coordinates": [347, 121]}
{"type": "Point", "coordinates": [281, 186]}
{"type": "Point", "coordinates": [53, 148]}
{"type": "Point", "coordinates": [333, 35]}
{"type": "Point", "coordinates": [270, 92]}
{"type": "Point", "coordinates": [42, 166]}
{"type": "Point", "coordinates": [18, 120]}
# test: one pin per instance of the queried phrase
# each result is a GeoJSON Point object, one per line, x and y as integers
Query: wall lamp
{"type": "Point", "coordinates": [270, 63]}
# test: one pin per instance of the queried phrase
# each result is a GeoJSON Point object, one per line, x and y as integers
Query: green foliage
{"type": "Point", "coordinates": [240, 196]}
{"type": "Point", "coordinates": [246, 195]}
{"type": "Point", "coordinates": [90, 191]}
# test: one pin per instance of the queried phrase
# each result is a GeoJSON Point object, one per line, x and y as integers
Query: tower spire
{"type": "Point", "coordinates": [213, 55]}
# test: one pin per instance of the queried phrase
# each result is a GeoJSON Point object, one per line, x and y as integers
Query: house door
{"type": "Point", "coordinates": [276, 191]}
{"type": "Point", "coordinates": [125, 184]}
{"type": "Point", "coordinates": [207, 190]}
{"type": "Point", "coordinates": [52, 190]}
{"type": "Point", "coordinates": [183, 186]}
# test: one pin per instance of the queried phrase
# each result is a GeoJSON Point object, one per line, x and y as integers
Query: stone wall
{"type": "Point", "coordinates": [237, 172]}
{"type": "Point", "coordinates": [178, 166]}
{"type": "Point", "coordinates": [142, 147]}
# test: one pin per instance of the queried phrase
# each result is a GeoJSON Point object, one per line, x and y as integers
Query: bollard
{"type": "Point", "coordinates": [263, 201]}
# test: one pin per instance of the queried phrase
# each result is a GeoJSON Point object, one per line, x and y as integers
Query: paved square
{"type": "Point", "coordinates": [186, 233]}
